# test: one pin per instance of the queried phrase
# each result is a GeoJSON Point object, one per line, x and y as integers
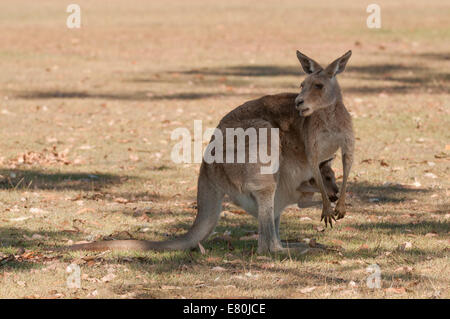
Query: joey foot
{"type": "Point", "coordinates": [328, 216]}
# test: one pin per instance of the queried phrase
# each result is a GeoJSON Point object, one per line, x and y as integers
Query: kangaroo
{"type": "Point", "coordinates": [329, 125]}
{"type": "Point", "coordinates": [311, 127]}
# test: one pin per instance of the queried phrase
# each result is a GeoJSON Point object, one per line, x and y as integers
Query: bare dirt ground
{"type": "Point", "coordinates": [86, 116]}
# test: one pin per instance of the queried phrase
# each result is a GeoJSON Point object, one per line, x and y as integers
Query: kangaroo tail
{"type": "Point", "coordinates": [209, 203]}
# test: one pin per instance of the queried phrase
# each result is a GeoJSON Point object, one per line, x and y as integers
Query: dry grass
{"type": "Point", "coordinates": [93, 109]}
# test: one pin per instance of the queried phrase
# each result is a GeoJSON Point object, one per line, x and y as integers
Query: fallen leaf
{"type": "Point", "coordinates": [400, 290]}
{"type": "Point", "coordinates": [5, 259]}
{"type": "Point", "coordinates": [337, 242]}
{"type": "Point", "coordinates": [85, 210]}
{"type": "Point", "coordinates": [441, 155]}
{"type": "Point", "coordinates": [134, 158]}
{"type": "Point", "coordinates": [37, 237]}
{"type": "Point", "coordinates": [307, 290]}
{"type": "Point", "coordinates": [121, 200]}
{"type": "Point", "coordinates": [432, 234]}
{"type": "Point", "coordinates": [405, 246]}
{"type": "Point", "coordinates": [268, 265]}
{"type": "Point", "coordinates": [238, 212]}
{"type": "Point", "coordinates": [319, 229]}
{"type": "Point", "coordinates": [430, 175]}
{"type": "Point", "coordinates": [384, 163]}
{"type": "Point", "coordinates": [406, 269]}
{"type": "Point", "coordinates": [108, 277]}
{"type": "Point", "coordinates": [38, 211]}
{"type": "Point", "coordinates": [169, 287]}
{"type": "Point", "coordinates": [19, 219]}
{"type": "Point", "coordinates": [250, 237]}
{"type": "Point", "coordinates": [364, 247]}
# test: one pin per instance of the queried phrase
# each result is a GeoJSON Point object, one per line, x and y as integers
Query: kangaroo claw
{"type": "Point", "coordinates": [339, 212]}
{"type": "Point", "coordinates": [328, 217]}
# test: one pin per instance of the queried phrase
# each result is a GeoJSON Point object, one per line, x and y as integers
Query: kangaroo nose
{"type": "Point", "coordinates": [298, 103]}
{"type": "Point", "coordinates": [333, 198]}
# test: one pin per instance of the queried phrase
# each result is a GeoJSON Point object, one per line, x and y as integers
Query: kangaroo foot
{"type": "Point", "coordinates": [273, 247]}
{"type": "Point", "coordinates": [328, 216]}
{"type": "Point", "coordinates": [339, 211]}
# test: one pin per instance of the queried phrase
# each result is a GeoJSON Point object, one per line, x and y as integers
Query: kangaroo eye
{"type": "Point", "coordinates": [328, 178]}
{"type": "Point", "coordinates": [301, 86]}
{"type": "Point", "coordinates": [318, 86]}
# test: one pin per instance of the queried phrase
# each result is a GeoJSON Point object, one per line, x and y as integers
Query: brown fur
{"type": "Point", "coordinates": [307, 189]}
{"type": "Point", "coordinates": [304, 142]}
{"type": "Point", "coordinates": [330, 125]}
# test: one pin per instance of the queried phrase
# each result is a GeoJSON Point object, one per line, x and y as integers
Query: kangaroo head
{"type": "Point", "coordinates": [320, 88]}
{"type": "Point", "coordinates": [329, 180]}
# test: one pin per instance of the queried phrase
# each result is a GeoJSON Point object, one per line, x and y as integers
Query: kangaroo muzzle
{"type": "Point", "coordinates": [301, 107]}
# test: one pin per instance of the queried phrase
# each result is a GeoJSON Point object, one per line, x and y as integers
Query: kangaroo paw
{"type": "Point", "coordinates": [339, 211]}
{"type": "Point", "coordinates": [328, 216]}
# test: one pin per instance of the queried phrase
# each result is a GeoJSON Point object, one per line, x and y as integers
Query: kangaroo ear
{"type": "Point", "coordinates": [327, 162]}
{"type": "Point", "coordinates": [308, 64]}
{"type": "Point", "coordinates": [338, 65]}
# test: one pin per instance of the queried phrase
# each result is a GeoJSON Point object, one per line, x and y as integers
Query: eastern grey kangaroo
{"type": "Point", "coordinates": [305, 141]}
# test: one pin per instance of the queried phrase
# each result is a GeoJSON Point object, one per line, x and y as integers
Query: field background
{"type": "Point", "coordinates": [85, 122]}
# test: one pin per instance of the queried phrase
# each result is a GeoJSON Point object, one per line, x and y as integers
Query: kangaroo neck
{"type": "Point", "coordinates": [327, 114]}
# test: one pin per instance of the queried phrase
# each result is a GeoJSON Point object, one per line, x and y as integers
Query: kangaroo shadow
{"type": "Point", "coordinates": [421, 228]}
{"type": "Point", "coordinates": [16, 241]}
{"type": "Point", "coordinates": [24, 179]}
{"type": "Point", "coordinates": [439, 56]}
{"type": "Point", "coordinates": [387, 193]}
{"type": "Point", "coordinates": [248, 71]}
{"type": "Point", "coordinates": [390, 75]}
{"type": "Point", "coordinates": [133, 96]}
{"type": "Point", "coordinates": [393, 80]}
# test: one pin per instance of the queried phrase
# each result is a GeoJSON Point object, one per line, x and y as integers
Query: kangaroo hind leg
{"type": "Point", "coordinates": [268, 240]}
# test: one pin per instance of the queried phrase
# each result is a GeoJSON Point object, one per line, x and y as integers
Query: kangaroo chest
{"type": "Point", "coordinates": [327, 142]}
